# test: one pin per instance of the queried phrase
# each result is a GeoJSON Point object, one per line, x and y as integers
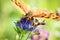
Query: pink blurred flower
{"type": "Point", "coordinates": [40, 34]}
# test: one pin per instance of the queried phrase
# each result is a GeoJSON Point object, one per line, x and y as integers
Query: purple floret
{"type": "Point", "coordinates": [25, 24]}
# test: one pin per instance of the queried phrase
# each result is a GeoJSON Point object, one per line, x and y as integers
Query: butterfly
{"type": "Point", "coordinates": [28, 21]}
{"type": "Point", "coordinates": [36, 12]}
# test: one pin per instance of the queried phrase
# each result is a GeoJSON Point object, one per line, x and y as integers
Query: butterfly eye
{"type": "Point", "coordinates": [29, 14]}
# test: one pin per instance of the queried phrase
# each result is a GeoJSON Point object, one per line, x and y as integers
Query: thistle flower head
{"type": "Point", "coordinates": [39, 34]}
{"type": "Point", "coordinates": [25, 24]}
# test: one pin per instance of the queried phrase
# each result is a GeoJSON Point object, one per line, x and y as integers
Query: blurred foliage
{"type": "Point", "coordinates": [9, 13]}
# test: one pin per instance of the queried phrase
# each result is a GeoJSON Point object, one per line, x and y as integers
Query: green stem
{"type": "Point", "coordinates": [28, 36]}
{"type": "Point", "coordinates": [21, 36]}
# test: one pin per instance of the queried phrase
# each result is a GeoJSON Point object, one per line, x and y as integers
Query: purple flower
{"type": "Point", "coordinates": [25, 24]}
{"type": "Point", "coordinates": [39, 34]}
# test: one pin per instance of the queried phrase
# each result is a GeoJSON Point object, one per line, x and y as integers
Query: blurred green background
{"type": "Point", "coordinates": [9, 13]}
